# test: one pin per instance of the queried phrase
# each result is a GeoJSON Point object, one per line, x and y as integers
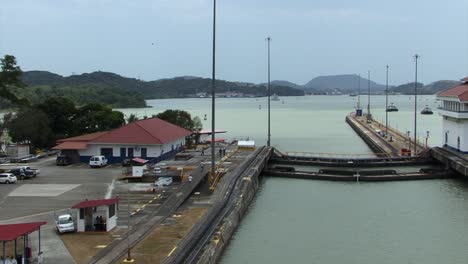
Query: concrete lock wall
{"type": "Point", "coordinates": [213, 251]}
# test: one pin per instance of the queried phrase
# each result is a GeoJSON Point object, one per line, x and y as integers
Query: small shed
{"type": "Point", "coordinates": [11, 233]}
{"type": "Point", "coordinates": [246, 144]}
{"type": "Point", "coordinates": [138, 167]}
{"type": "Point", "coordinates": [96, 215]}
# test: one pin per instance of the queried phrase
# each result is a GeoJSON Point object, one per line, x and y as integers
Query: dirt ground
{"type": "Point", "coordinates": [83, 246]}
{"type": "Point", "coordinates": [156, 246]}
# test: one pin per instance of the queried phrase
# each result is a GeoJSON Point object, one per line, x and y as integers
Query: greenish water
{"type": "Point", "coordinates": [302, 221]}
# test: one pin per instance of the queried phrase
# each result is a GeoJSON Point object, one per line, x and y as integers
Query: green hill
{"type": "Point", "coordinates": [431, 88]}
{"type": "Point", "coordinates": [122, 92]}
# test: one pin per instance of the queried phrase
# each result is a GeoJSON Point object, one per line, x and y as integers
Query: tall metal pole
{"type": "Point", "coordinates": [213, 91]}
{"type": "Point", "coordinates": [359, 92]}
{"type": "Point", "coordinates": [269, 94]}
{"type": "Point", "coordinates": [369, 117]}
{"type": "Point", "coordinates": [129, 257]}
{"type": "Point", "coordinates": [386, 104]}
{"type": "Point", "coordinates": [416, 57]}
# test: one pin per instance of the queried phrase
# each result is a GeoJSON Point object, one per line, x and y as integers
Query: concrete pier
{"type": "Point", "coordinates": [451, 159]}
{"type": "Point", "coordinates": [390, 145]}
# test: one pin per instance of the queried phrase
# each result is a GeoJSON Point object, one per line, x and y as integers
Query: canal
{"type": "Point", "coordinates": [301, 221]}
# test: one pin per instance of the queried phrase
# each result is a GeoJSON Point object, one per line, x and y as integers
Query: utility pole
{"type": "Point", "coordinates": [269, 94]}
{"type": "Point", "coordinates": [129, 257]}
{"type": "Point", "coordinates": [359, 92]}
{"type": "Point", "coordinates": [213, 92]}
{"type": "Point", "coordinates": [416, 57]}
{"type": "Point", "coordinates": [386, 104]}
{"type": "Point", "coordinates": [369, 116]}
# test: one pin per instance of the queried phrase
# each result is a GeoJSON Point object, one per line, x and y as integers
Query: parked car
{"type": "Point", "coordinates": [163, 181]}
{"type": "Point", "coordinates": [35, 171]}
{"type": "Point", "coordinates": [64, 223]}
{"type": "Point", "coordinates": [97, 161]}
{"type": "Point", "coordinates": [62, 160]}
{"type": "Point", "coordinates": [22, 174]}
{"type": "Point", "coordinates": [7, 178]}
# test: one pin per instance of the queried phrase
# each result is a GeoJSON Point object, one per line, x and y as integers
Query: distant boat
{"type": "Point", "coordinates": [427, 111]}
{"type": "Point", "coordinates": [392, 108]}
{"type": "Point", "coordinates": [275, 97]}
{"type": "Point", "coordinates": [259, 106]}
{"type": "Point", "coordinates": [352, 94]}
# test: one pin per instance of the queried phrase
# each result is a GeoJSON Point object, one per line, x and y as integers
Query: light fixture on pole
{"type": "Point", "coordinates": [416, 57]}
{"type": "Point", "coordinates": [369, 116]}
{"type": "Point", "coordinates": [213, 92]}
{"type": "Point", "coordinates": [269, 94]}
{"type": "Point", "coordinates": [386, 104]}
{"type": "Point", "coordinates": [427, 137]}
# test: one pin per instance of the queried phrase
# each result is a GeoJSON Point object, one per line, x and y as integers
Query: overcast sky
{"type": "Point", "coordinates": [310, 38]}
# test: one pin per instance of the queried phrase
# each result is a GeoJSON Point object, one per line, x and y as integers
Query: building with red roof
{"type": "Point", "coordinates": [454, 110]}
{"type": "Point", "coordinates": [96, 215]}
{"type": "Point", "coordinates": [149, 139]}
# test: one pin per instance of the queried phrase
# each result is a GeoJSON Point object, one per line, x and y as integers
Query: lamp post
{"type": "Point", "coordinates": [359, 92]}
{"type": "Point", "coordinates": [416, 57]}
{"type": "Point", "coordinates": [269, 93]}
{"type": "Point", "coordinates": [369, 117]}
{"type": "Point", "coordinates": [409, 140]}
{"type": "Point", "coordinates": [213, 92]}
{"type": "Point", "coordinates": [386, 104]}
{"type": "Point", "coordinates": [427, 137]}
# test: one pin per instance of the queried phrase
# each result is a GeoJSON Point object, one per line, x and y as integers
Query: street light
{"type": "Point", "coordinates": [427, 137]}
{"type": "Point", "coordinates": [386, 104]}
{"type": "Point", "coordinates": [369, 117]}
{"type": "Point", "coordinates": [416, 57]}
{"type": "Point", "coordinates": [269, 93]}
{"type": "Point", "coordinates": [409, 140]}
{"type": "Point", "coordinates": [213, 91]}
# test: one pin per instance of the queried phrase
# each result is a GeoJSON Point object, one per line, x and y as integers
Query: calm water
{"type": "Point", "coordinates": [301, 221]}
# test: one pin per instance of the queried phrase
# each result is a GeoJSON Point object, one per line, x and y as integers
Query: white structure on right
{"type": "Point", "coordinates": [454, 111]}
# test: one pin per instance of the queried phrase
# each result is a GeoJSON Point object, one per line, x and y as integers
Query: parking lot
{"type": "Point", "coordinates": [55, 188]}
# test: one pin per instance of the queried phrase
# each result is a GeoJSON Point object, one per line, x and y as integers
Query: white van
{"type": "Point", "coordinates": [97, 161]}
{"type": "Point", "coordinates": [163, 181]}
{"type": "Point", "coordinates": [64, 223]}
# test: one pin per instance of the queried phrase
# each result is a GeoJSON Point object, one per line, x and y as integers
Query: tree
{"type": "Point", "coordinates": [9, 77]}
{"type": "Point", "coordinates": [177, 117]}
{"type": "Point", "coordinates": [61, 113]}
{"type": "Point", "coordinates": [30, 125]}
{"type": "Point", "coordinates": [96, 117]}
{"type": "Point", "coordinates": [132, 118]}
{"type": "Point", "coordinates": [197, 127]}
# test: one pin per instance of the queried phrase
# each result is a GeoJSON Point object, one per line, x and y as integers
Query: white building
{"type": "Point", "coordinates": [151, 139]}
{"type": "Point", "coordinates": [454, 110]}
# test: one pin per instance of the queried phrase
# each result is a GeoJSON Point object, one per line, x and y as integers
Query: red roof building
{"type": "Point", "coordinates": [95, 203]}
{"type": "Point", "coordinates": [9, 233]}
{"type": "Point", "coordinates": [96, 215]}
{"type": "Point", "coordinates": [459, 92]}
{"type": "Point", "coordinates": [454, 110]}
{"type": "Point", "coordinates": [150, 138]}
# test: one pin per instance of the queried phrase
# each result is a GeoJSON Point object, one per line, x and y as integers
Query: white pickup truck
{"type": "Point", "coordinates": [34, 171]}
